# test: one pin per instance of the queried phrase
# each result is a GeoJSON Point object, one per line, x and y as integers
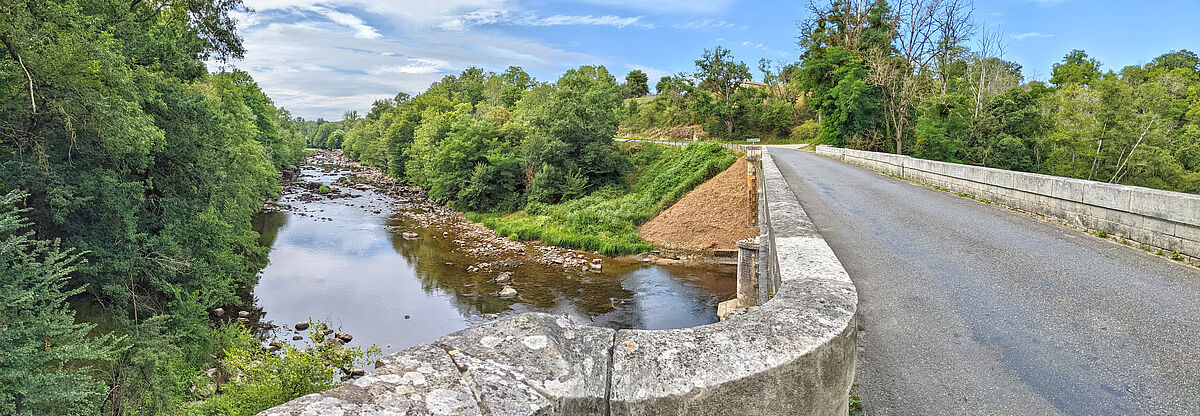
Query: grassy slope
{"type": "Point", "coordinates": [606, 221]}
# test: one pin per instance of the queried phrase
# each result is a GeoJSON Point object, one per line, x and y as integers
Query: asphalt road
{"type": "Point", "coordinates": [970, 308]}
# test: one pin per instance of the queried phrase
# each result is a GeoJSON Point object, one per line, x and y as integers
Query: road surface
{"type": "Point", "coordinates": [969, 308]}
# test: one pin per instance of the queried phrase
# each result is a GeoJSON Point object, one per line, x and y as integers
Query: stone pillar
{"type": "Point", "coordinates": [752, 182]}
{"type": "Point", "coordinates": [747, 273]}
{"type": "Point", "coordinates": [747, 279]}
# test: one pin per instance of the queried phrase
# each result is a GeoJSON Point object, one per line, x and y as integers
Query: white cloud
{"type": "Point", "coordinates": [609, 20]}
{"type": "Point", "coordinates": [411, 13]}
{"type": "Point", "coordinates": [764, 48]}
{"type": "Point", "coordinates": [485, 17]}
{"type": "Point", "coordinates": [703, 24]}
{"type": "Point", "coordinates": [320, 69]}
{"type": "Point", "coordinates": [318, 58]}
{"type": "Point", "coordinates": [668, 6]}
{"type": "Point", "coordinates": [1030, 35]}
{"type": "Point", "coordinates": [361, 29]}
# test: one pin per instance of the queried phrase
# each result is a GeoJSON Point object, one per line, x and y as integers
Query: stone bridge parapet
{"type": "Point", "coordinates": [1166, 220]}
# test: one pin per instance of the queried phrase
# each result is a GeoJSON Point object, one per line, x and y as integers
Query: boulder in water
{"type": "Point", "coordinates": [504, 277]}
{"type": "Point", "coordinates": [507, 292]}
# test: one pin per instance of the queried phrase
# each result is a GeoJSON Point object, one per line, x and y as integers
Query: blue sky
{"type": "Point", "coordinates": [320, 58]}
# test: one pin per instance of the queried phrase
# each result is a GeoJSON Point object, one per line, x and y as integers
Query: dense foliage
{"type": "Point", "coordinates": [504, 143]}
{"type": "Point", "coordinates": [483, 141]}
{"type": "Point", "coordinates": [40, 341]}
{"type": "Point", "coordinates": [901, 77]}
{"type": "Point", "coordinates": [142, 171]}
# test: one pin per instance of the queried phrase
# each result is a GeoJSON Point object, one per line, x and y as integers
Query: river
{"type": "Point", "coordinates": [341, 258]}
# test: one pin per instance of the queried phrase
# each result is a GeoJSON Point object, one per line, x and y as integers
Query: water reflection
{"type": "Point", "coordinates": [344, 261]}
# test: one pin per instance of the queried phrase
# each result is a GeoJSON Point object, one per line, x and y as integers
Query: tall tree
{"type": "Point", "coordinates": [1076, 68]}
{"type": "Point", "coordinates": [637, 84]}
{"type": "Point", "coordinates": [720, 74]}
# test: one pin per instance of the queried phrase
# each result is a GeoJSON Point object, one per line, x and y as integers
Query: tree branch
{"type": "Point", "coordinates": [12, 51]}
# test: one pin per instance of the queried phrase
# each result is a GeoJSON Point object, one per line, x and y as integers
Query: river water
{"type": "Point", "coordinates": [344, 261]}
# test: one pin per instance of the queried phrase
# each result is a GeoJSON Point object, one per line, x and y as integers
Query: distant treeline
{"type": "Point", "coordinates": [913, 81]}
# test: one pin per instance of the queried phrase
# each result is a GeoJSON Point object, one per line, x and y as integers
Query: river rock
{"type": "Point", "coordinates": [507, 292]}
{"type": "Point", "coordinates": [354, 372]}
{"type": "Point", "coordinates": [219, 311]}
{"type": "Point", "coordinates": [504, 277]}
{"type": "Point", "coordinates": [326, 331]}
{"type": "Point", "coordinates": [244, 320]}
{"type": "Point", "coordinates": [302, 325]}
{"type": "Point", "coordinates": [243, 314]}
{"type": "Point", "coordinates": [409, 235]}
{"type": "Point", "coordinates": [344, 337]}
{"type": "Point", "coordinates": [297, 338]}
{"type": "Point", "coordinates": [596, 263]}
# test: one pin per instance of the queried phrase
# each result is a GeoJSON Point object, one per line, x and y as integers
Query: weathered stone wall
{"type": "Point", "coordinates": [794, 355]}
{"type": "Point", "coordinates": [1162, 219]}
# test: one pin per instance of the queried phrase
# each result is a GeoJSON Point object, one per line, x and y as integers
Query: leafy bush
{"type": "Point", "coordinates": [806, 132]}
{"type": "Point", "coordinates": [258, 380]}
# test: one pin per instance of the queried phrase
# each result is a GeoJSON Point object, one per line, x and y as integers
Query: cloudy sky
{"type": "Point", "coordinates": [320, 58]}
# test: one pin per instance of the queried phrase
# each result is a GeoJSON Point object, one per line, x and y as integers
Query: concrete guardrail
{"type": "Point", "coordinates": [1161, 219]}
{"type": "Point", "coordinates": [793, 355]}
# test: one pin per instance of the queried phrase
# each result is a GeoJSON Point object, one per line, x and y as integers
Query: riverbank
{"type": "Point", "coordinates": [470, 237]}
{"type": "Point", "coordinates": [380, 260]}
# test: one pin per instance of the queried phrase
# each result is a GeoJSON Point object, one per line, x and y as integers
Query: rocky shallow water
{"type": "Point", "coordinates": [377, 259]}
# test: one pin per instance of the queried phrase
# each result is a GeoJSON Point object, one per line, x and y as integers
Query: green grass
{"type": "Point", "coordinates": [1101, 234]}
{"type": "Point", "coordinates": [606, 221]}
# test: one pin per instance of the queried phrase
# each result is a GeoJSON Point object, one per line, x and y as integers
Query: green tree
{"type": "Point", "coordinates": [1076, 68]}
{"type": "Point", "coordinates": [42, 348]}
{"type": "Point", "coordinates": [583, 113]}
{"type": "Point", "coordinates": [636, 84]}
{"type": "Point", "coordinates": [721, 75]}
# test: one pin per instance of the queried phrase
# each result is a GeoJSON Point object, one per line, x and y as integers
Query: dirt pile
{"type": "Point", "coordinates": [715, 215]}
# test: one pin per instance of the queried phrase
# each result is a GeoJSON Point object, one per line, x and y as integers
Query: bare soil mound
{"type": "Point", "coordinates": [714, 216]}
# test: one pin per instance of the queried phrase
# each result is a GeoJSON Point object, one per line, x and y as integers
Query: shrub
{"type": "Point", "coordinates": [806, 132]}
{"type": "Point", "coordinates": [259, 380]}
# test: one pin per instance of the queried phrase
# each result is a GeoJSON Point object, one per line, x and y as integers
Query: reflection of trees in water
{"type": "Point", "coordinates": [267, 224]}
{"type": "Point", "coordinates": [544, 288]}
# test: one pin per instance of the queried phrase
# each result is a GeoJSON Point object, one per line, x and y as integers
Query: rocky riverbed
{"type": "Point", "coordinates": [354, 248]}
{"type": "Point", "coordinates": [414, 203]}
